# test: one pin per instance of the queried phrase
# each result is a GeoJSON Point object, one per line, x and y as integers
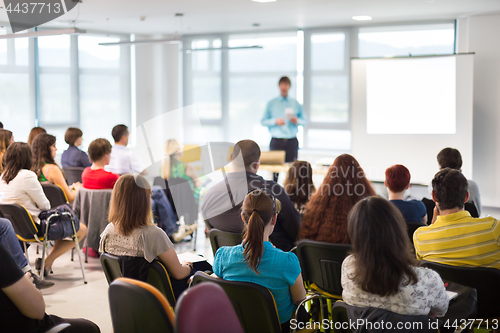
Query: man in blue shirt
{"type": "Point", "coordinates": [283, 116]}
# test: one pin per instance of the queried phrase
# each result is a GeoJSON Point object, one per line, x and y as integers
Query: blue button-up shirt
{"type": "Point", "coordinates": [276, 109]}
{"type": "Point", "coordinates": [74, 157]}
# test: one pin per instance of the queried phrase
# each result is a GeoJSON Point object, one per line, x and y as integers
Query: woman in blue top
{"type": "Point", "coordinates": [256, 260]}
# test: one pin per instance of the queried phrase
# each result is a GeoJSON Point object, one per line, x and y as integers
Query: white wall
{"type": "Point", "coordinates": [480, 34]}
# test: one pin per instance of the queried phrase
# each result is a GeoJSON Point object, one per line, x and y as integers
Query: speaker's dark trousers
{"type": "Point", "coordinates": [291, 148]}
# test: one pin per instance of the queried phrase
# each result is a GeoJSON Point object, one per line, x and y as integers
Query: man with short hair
{"type": "Point", "coordinates": [122, 160]}
{"type": "Point", "coordinates": [454, 237]}
{"type": "Point", "coordinates": [221, 205]}
{"type": "Point", "coordinates": [283, 116]}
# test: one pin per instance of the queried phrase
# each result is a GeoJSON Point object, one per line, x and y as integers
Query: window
{"type": "Point", "coordinates": [253, 81]}
{"type": "Point", "coordinates": [104, 101]}
{"type": "Point", "coordinates": [406, 40]}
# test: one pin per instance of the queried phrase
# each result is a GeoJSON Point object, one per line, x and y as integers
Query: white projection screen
{"type": "Point", "coordinates": [405, 110]}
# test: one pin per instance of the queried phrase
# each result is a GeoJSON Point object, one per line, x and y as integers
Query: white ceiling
{"type": "Point", "coordinates": [206, 16]}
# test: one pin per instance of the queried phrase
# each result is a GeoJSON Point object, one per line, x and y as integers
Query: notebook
{"type": "Point", "coordinates": [451, 295]}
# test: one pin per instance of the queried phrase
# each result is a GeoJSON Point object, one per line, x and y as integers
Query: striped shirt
{"type": "Point", "coordinates": [460, 240]}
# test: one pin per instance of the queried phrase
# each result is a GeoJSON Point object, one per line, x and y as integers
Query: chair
{"type": "Point", "coordinates": [92, 206]}
{"type": "Point", "coordinates": [321, 265]}
{"type": "Point", "coordinates": [253, 303]}
{"type": "Point", "coordinates": [55, 194]}
{"type": "Point", "coordinates": [469, 206]}
{"type": "Point", "coordinates": [222, 238]}
{"type": "Point", "coordinates": [159, 278]}
{"type": "Point", "coordinates": [73, 174]}
{"type": "Point", "coordinates": [110, 266]}
{"type": "Point", "coordinates": [485, 280]}
{"type": "Point", "coordinates": [138, 307]}
{"type": "Point", "coordinates": [412, 226]}
{"type": "Point", "coordinates": [24, 225]}
{"type": "Point", "coordinates": [343, 315]}
{"type": "Point", "coordinates": [206, 308]}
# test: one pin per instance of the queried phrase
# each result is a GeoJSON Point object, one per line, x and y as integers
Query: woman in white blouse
{"type": "Point", "coordinates": [382, 272]}
{"type": "Point", "coordinates": [20, 186]}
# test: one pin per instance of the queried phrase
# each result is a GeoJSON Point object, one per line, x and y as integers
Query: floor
{"type": "Point", "coordinates": [71, 298]}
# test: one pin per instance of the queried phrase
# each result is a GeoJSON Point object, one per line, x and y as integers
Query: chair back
{"type": "Point", "coordinates": [138, 307]}
{"type": "Point", "coordinates": [206, 308]}
{"type": "Point", "coordinates": [20, 218]}
{"type": "Point", "coordinates": [485, 280]}
{"type": "Point", "coordinates": [159, 278]}
{"type": "Point", "coordinates": [73, 174]}
{"type": "Point", "coordinates": [469, 206]}
{"type": "Point", "coordinates": [110, 266]}
{"type": "Point", "coordinates": [222, 238]}
{"type": "Point", "coordinates": [412, 226]}
{"type": "Point", "coordinates": [55, 194]}
{"type": "Point", "coordinates": [321, 264]}
{"type": "Point", "coordinates": [254, 304]}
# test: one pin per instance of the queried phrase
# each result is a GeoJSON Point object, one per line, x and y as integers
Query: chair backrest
{"type": "Point", "coordinates": [20, 218]}
{"type": "Point", "coordinates": [222, 238]}
{"type": "Point", "coordinates": [412, 226]}
{"type": "Point", "coordinates": [343, 315]}
{"type": "Point", "coordinates": [159, 278]}
{"type": "Point", "coordinates": [138, 307]}
{"type": "Point", "coordinates": [485, 280]}
{"type": "Point", "coordinates": [111, 266]}
{"type": "Point", "coordinates": [206, 308]}
{"type": "Point", "coordinates": [55, 194]}
{"type": "Point", "coordinates": [254, 304]}
{"type": "Point", "coordinates": [469, 206]}
{"type": "Point", "coordinates": [321, 264]}
{"type": "Point", "coordinates": [73, 174]}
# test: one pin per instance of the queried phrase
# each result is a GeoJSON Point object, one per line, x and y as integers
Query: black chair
{"type": "Point", "coordinates": [159, 278]}
{"type": "Point", "coordinates": [429, 205]}
{"type": "Point", "coordinates": [137, 307]}
{"type": "Point", "coordinates": [343, 315]}
{"type": "Point", "coordinates": [412, 226]}
{"type": "Point", "coordinates": [55, 194]}
{"type": "Point", "coordinates": [73, 175]}
{"type": "Point", "coordinates": [110, 266]}
{"type": "Point", "coordinates": [254, 304]}
{"type": "Point", "coordinates": [24, 225]}
{"type": "Point", "coordinates": [321, 265]}
{"type": "Point", "coordinates": [221, 238]}
{"type": "Point", "coordinates": [485, 280]}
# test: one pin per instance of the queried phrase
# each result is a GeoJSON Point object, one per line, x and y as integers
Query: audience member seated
{"type": "Point", "coordinates": [299, 185]}
{"type": "Point", "coordinates": [34, 133]}
{"type": "Point", "coordinates": [382, 272]}
{"type": "Point", "coordinates": [256, 260]}
{"type": "Point", "coordinates": [95, 177]}
{"type": "Point", "coordinates": [44, 152]}
{"type": "Point", "coordinates": [9, 240]}
{"type": "Point", "coordinates": [221, 203]}
{"type": "Point", "coordinates": [451, 158]}
{"type": "Point", "coordinates": [344, 185]}
{"type": "Point", "coordinates": [469, 241]}
{"type": "Point", "coordinates": [172, 167]}
{"type": "Point", "coordinates": [20, 186]}
{"type": "Point", "coordinates": [6, 138]}
{"type": "Point", "coordinates": [73, 157]}
{"type": "Point", "coordinates": [122, 160]}
{"type": "Point", "coordinates": [131, 233]}
{"type": "Point", "coordinates": [23, 307]}
{"type": "Point", "coordinates": [397, 181]}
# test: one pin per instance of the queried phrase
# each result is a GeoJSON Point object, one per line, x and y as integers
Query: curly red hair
{"type": "Point", "coordinates": [345, 184]}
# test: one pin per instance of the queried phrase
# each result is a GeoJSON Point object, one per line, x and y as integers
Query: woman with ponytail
{"type": "Point", "coordinates": [256, 260]}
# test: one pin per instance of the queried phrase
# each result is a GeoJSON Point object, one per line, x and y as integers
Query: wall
{"type": "Point", "coordinates": [479, 34]}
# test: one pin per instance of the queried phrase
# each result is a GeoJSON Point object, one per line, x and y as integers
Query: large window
{"type": "Point", "coordinates": [16, 102]}
{"type": "Point", "coordinates": [62, 81]}
{"type": "Point", "coordinates": [406, 40]}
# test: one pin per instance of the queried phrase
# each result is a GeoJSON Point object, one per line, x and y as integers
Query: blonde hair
{"type": "Point", "coordinates": [170, 147]}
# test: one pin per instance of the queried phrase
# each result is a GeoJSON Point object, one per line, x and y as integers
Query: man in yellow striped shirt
{"type": "Point", "coordinates": [454, 237]}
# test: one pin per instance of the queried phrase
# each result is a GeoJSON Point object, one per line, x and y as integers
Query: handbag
{"type": "Point", "coordinates": [60, 221]}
